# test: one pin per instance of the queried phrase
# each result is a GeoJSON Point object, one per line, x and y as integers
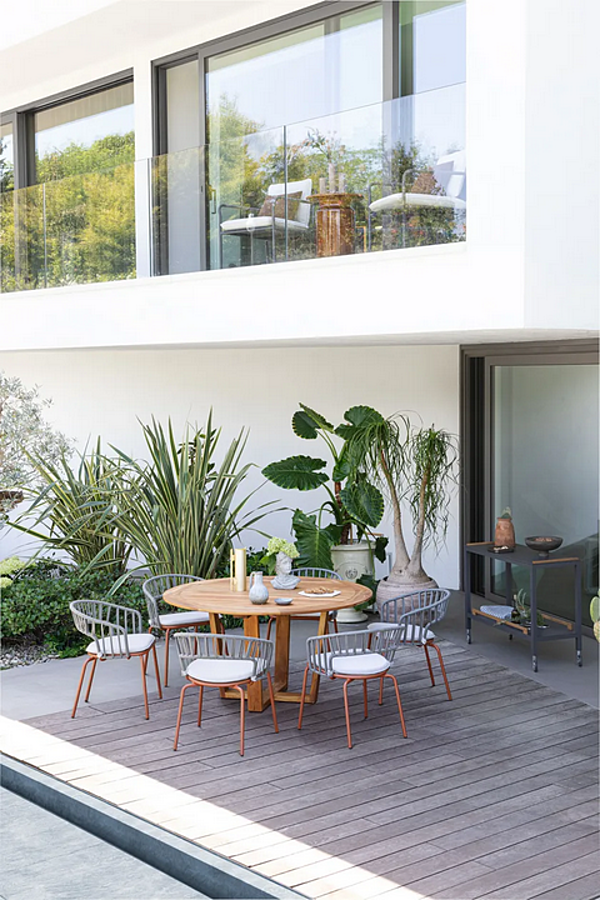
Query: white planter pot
{"type": "Point", "coordinates": [351, 561]}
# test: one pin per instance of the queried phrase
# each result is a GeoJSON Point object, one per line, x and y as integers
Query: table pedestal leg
{"type": "Point", "coordinates": [256, 700]}
{"type": "Point", "coordinates": [282, 653]}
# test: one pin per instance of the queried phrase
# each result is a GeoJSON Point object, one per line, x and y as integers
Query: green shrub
{"type": "Point", "coordinates": [35, 606]}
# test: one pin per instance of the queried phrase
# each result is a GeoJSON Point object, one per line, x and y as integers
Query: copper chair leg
{"type": "Point", "coordinates": [200, 704]}
{"type": "Point", "coordinates": [270, 623]}
{"type": "Point", "coordinates": [426, 649]}
{"type": "Point", "coordinates": [443, 668]}
{"type": "Point", "coordinates": [80, 685]}
{"type": "Point", "coordinates": [305, 679]}
{"type": "Point", "coordinates": [157, 671]}
{"type": "Point", "coordinates": [167, 636]}
{"type": "Point", "coordinates": [381, 691]}
{"type": "Point", "coordinates": [92, 673]}
{"type": "Point", "coordinates": [144, 662]}
{"type": "Point", "coordinates": [397, 689]}
{"type": "Point", "coordinates": [272, 699]}
{"type": "Point", "coordinates": [242, 717]}
{"type": "Point", "coordinates": [347, 710]}
{"type": "Point", "coordinates": [181, 697]}
{"type": "Point", "coordinates": [365, 698]}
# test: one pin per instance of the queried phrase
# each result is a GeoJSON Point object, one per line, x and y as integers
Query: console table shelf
{"type": "Point", "coordinates": [554, 628]}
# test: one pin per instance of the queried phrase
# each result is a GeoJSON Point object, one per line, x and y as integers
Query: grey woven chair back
{"type": "Point", "coordinates": [416, 612]}
{"type": "Point", "coordinates": [154, 589]}
{"type": "Point", "coordinates": [321, 650]}
{"type": "Point", "coordinates": [191, 647]}
{"type": "Point", "coordinates": [311, 572]}
{"type": "Point", "coordinates": [107, 624]}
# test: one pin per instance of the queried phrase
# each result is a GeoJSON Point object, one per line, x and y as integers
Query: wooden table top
{"type": "Point", "coordinates": [215, 596]}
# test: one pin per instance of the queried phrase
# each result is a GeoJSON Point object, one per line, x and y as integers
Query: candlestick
{"type": "Point", "coordinates": [342, 182]}
{"type": "Point", "coordinates": [322, 185]}
{"type": "Point", "coordinates": [331, 178]}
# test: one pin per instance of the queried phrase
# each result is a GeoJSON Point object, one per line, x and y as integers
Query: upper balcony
{"type": "Point", "coordinates": [386, 176]}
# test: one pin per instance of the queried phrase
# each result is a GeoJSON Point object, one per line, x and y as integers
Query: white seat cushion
{"type": "Point", "coordinates": [183, 619]}
{"type": "Point", "coordinates": [115, 646]}
{"type": "Point", "coordinates": [360, 664]}
{"type": "Point", "coordinates": [396, 201]}
{"type": "Point", "coordinates": [408, 636]}
{"type": "Point", "coordinates": [260, 223]}
{"type": "Point", "coordinates": [221, 671]}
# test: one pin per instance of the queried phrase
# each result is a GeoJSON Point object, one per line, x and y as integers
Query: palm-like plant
{"type": "Point", "coordinates": [76, 511]}
{"type": "Point", "coordinates": [411, 465]}
{"type": "Point", "coordinates": [180, 510]}
{"type": "Point", "coordinates": [353, 502]}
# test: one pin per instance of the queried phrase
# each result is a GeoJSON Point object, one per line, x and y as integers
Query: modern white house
{"type": "Point", "coordinates": [247, 204]}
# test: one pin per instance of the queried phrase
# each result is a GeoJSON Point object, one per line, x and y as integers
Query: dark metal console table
{"type": "Point", "coordinates": [555, 628]}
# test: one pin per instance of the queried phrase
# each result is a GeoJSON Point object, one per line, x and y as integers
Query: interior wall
{"type": "Point", "coordinates": [104, 392]}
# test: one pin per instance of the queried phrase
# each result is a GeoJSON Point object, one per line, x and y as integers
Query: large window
{"type": "Point", "coordinates": [7, 158]}
{"type": "Point", "coordinates": [535, 418]}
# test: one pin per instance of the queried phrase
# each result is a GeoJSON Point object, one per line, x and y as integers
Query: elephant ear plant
{"type": "Point", "coordinates": [354, 503]}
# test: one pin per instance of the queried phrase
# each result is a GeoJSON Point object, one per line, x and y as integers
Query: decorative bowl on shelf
{"type": "Point", "coordinates": [543, 545]}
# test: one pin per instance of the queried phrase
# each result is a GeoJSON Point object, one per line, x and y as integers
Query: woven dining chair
{"type": "Point", "coordinates": [116, 631]}
{"type": "Point", "coordinates": [221, 661]}
{"type": "Point", "coordinates": [353, 656]}
{"type": "Point", "coordinates": [154, 589]}
{"type": "Point", "coordinates": [413, 615]}
{"type": "Point", "coordinates": [310, 572]}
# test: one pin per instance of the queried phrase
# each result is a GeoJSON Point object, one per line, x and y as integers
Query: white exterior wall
{"type": "Point", "coordinates": [102, 393]}
{"type": "Point", "coordinates": [530, 263]}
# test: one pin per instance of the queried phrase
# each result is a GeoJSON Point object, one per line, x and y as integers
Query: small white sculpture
{"type": "Point", "coordinates": [284, 580]}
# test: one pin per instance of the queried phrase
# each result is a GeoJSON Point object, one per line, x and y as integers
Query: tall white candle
{"type": "Point", "coordinates": [331, 178]}
{"type": "Point", "coordinates": [240, 569]}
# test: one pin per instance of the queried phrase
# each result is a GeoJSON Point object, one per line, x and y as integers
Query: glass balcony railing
{"type": "Point", "coordinates": [387, 176]}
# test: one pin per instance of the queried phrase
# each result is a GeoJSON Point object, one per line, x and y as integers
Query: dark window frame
{"type": "Point", "coordinates": [22, 118]}
{"type": "Point", "coordinates": [477, 474]}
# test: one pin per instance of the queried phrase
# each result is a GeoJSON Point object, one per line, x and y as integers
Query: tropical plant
{"type": "Point", "coordinates": [24, 436]}
{"type": "Point", "coordinates": [76, 511]}
{"type": "Point", "coordinates": [412, 465]}
{"type": "Point", "coordinates": [595, 615]}
{"type": "Point", "coordinates": [355, 503]}
{"type": "Point", "coordinates": [179, 510]}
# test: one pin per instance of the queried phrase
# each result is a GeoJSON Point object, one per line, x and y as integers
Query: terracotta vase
{"type": "Point", "coordinates": [505, 533]}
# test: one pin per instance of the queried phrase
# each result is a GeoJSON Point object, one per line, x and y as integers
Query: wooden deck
{"type": "Point", "coordinates": [491, 795]}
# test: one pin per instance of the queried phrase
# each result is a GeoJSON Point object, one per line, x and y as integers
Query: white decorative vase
{"type": "Point", "coordinates": [351, 561]}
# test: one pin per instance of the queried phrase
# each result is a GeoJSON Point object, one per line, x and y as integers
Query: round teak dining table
{"type": "Point", "coordinates": [216, 597]}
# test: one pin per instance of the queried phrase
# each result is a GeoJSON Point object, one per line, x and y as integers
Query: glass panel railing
{"type": "Point", "coordinates": [75, 230]}
{"type": "Point", "coordinates": [387, 176]}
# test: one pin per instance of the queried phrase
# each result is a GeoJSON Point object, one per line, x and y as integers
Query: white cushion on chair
{"type": "Point", "coordinates": [360, 664]}
{"type": "Point", "coordinates": [183, 619]}
{"type": "Point", "coordinates": [408, 636]}
{"type": "Point", "coordinates": [260, 223]}
{"type": "Point", "coordinates": [221, 671]}
{"type": "Point", "coordinates": [114, 646]}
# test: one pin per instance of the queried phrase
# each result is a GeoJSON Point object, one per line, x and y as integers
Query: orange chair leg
{"type": "Point", "coordinates": [144, 662]}
{"type": "Point", "coordinates": [365, 698]}
{"type": "Point", "coordinates": [167, 636]}
{"type": "Point", "coordinates": [381, 691]}
{"type": "Point", "coordinates": [270, 623]}
{"type": "Point", "coordinates": [347, 710]}
{"type": "Point", "coordinates": [426, 649]}
{"type": "Point", "coordinates": [157, 671]}
{"type": "Point", "coordinates": [305, 679]}
{"type": "Point", "coordinates": [396, 688]}
{"type": "Point", "coordinates": [200, 698]}
{"type": "Point", "coordinates": [242, 718]}
{"type": "Point", "coordinates": [80, 685]}
{"type": "Point", "coordinates": [443, 668]}
{"type": "Point", "coordinates": [181, 697]}
{"type": "Point", "coordinates": [92, 673]}
{"type": "Point", "coordinates": [272, 699]}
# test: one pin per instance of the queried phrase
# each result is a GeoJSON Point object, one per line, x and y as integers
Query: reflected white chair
{"type": "Point", "coordinates": [154, 589]}
{"type": "Point", "coordinates": [413, 615]}
{"type": "Point", "coordinates": [311, 572]}
{"type": "Point", "coordinates": [116, 632]}
{"type": "Point", "coordinates": [285, 209]}
{"type": "Point", "coordinates": [353, 656]}
{"type": "Point", "coordinates": [223, 661]}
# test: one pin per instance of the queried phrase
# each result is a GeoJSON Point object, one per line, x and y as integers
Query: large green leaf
{"type": "Point", "coordinates": [364, 502]}
{"type": "Point", "coordinates": [297, 473]}
{"type": "Point", "coordinates": [319, 420]}
{"type": "Point", "coordinates": [381, 543]}
{"type": "Point", "coordinates": [304, 426]}
{"type": "Point", "coordinates": [313, 543]}
{"type": "Point", "coordinates": [359, 417]}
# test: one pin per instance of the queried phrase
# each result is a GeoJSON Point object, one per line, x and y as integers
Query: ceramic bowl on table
{"type": "Point", "coordinates": [543, 545]}
{"type": "Point", "coordinates": [282, 601]}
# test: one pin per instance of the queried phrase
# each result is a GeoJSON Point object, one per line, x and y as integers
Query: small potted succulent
{"type": "Point", "coordinates": [521, 613]}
